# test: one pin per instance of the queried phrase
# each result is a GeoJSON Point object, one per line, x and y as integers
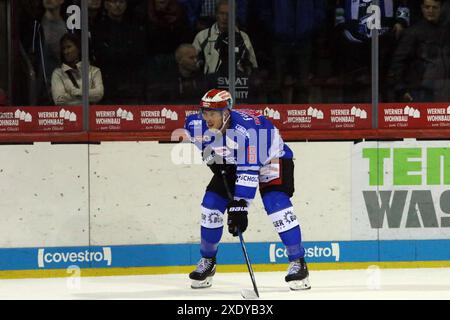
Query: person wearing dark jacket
{"type": "Point", "coordinates": [120, 51]}
{"type": "Point", "coordinates": [420, 68]}
{"type": "Point", "coordinates": [179, 82]}
{"type": "Point", "coordinates": [42, 24]}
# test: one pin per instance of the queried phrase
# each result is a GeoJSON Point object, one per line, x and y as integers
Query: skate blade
{"type": "Point", "coordinates": [299, 284]}
{"type": "Point", "coordinates": [201, 284]}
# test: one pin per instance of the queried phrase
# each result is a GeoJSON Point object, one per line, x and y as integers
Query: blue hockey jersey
{"type": "Point", "coordinates": [251, 143]}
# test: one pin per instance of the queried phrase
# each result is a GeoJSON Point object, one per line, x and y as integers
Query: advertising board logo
{"type": "Point", "coordinates": [54, 118]}
{"type": "Point", "coordinates": [347, 115]}
{"type": "Point", "coordinates": [272, 113]}
{"type": "Point", "coordinates": [400, 190]}
{"type": "Point", "coordinates": [322, 253]}
{"type": "Point", "coordinates": [53, 257]}
{"type": "Point", "coordinates": [67, 115]}
{"type": "Point", "coordinates": [303, 118]}
{"type": "Point", "coordinates": [10, 120]}
{"type": "Point", "coordinates": [411, 112]}
{"type": "Point", "coordinates": [169, 114]}
{"type": "Point", "coordinates": [158, 117]}
{"type": "Point", "coordinates": [23, 116]}
{"type": "Point", "coordinates": [315, 113]}
{"type": "Point", "coordinates": [113, 117]}
{"type": "Point", "coordinates": [439, 115]}
{"type": "Point", "coordinates": [124, 114]}
{"type": "Point", "coordinates": [409, 170]}
{"type": "Point", "coordinates": [395, 115]}
{"type": "Point", "coordinates": [358, 112]}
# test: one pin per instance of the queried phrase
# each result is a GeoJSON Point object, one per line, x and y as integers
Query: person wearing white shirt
{"type": "Point", "coordinates": [67, 80]}
{"type": "Point", "coordinates": [209, 44]}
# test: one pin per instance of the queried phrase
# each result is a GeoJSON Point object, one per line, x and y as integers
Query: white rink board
{"type": "Point", "coordinates": [44, 195]}
{"type": "Point", "coordinates": [138, 196]}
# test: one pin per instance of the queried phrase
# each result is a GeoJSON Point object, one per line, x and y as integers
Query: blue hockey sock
{"type": "Point", "coordinates": [210, 239]}
{"type": "Point", "coordinates": [292, 239]}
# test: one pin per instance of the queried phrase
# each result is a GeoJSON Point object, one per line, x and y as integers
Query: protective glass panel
{"type": "Point", "coordinates": [3, 54]}
{"type": "Point", "coordinates": [419, 69]}
{"type": "Point", "coordinates": [301, 51]}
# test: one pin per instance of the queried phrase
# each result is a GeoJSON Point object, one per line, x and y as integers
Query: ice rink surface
{"type": "Point", "coordinates": [367, 284]}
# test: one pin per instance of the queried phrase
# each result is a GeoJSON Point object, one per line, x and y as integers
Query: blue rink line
{"type": "Point", "coordinates": [229, 254]}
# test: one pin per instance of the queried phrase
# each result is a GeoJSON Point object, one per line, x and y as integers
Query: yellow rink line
{"type": "Point", "coordinates": [98, 272]}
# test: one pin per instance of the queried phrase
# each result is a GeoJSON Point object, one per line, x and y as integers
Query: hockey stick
{"type": "Point", "coordinates": [246, 294]}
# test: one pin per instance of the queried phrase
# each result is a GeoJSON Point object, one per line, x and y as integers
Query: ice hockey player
{"type": "Point", "coordinates": [249, 151]}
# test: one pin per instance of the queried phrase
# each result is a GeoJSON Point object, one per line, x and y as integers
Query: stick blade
{"type": "Point", "coordinates": [249, 294]}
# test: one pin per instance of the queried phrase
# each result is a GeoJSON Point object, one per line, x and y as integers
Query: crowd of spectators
{"type": "Point", "coordinates": [287, 51]}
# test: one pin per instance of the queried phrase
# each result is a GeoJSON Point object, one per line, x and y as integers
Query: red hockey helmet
{"type": "Point", "coordinates": [216, 99]}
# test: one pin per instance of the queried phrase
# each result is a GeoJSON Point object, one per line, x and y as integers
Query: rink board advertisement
{"type": "Point", "coordinates": [285, 117]}
{"type": "Point", "coordinates": [229, 254]}
{"type": "Point", "coordinates": [401, 190]}
{"type": "Point", "coordinates": [414, 116]}
{"type": "Point", "coordinates": [41, 119]}
{"type": "Point", "coordinates": [328, 117]}
{"type": "Point", "coordinates": [140, 118]}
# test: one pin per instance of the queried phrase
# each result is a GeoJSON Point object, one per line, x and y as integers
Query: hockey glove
{"type": "Point", "coordinates": [237, 216]}
{"type": "Point", "coordinates": [216, 163]}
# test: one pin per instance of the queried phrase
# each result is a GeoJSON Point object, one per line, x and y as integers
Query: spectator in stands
{"type": "Point", "coordinates": [181, 83]}
{"type": "Point", "coordinates": [202, 13]}
{"type": "Point", "coordinates": [290, 27]}
{"type": "Point", "coordinates": [95, 9]}
{"type": "Point", "coordinates": [3, 98]}
{"type": "Point", "coordinates": [212, 48]}
{"type": "Point", "coordinates": [95, 13]}
{"type": "Point", "coordinates": [354, 44]}
{"type": "Point", "coordinates": [211, 44]}
{"type": "Point", "coordinates": [40, 37]}
{"type": "Point", "coordinates": [168, 27]}
{"type": "Point", "coordinates": [120, 51]}
{"type": "Point", "coordinates": [420, 68]}
{"type": "Point", "coordinates": [67, 80]}
{"type": "Point", "coordinates": [54, 27]}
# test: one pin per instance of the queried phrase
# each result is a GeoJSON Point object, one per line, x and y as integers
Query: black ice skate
{"type": "Point", "coordinates": [202, 276]}
{"type": "Point", "coordinates": [297, 276]}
